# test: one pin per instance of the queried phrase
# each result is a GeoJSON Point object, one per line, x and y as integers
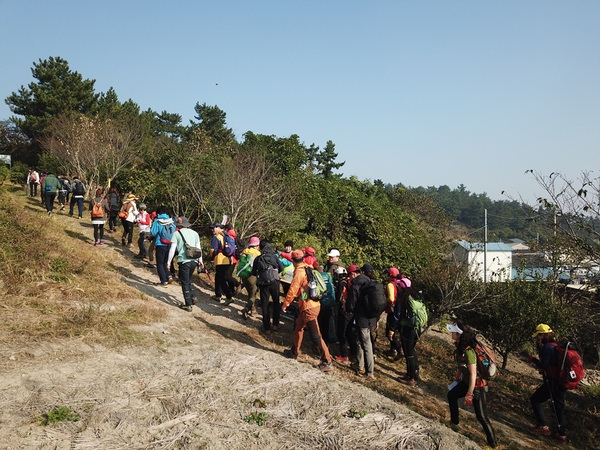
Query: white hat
{"type": "Point", "coordinates": [333, 253]}
{"type": "Point", "coordinates": [453, 328]}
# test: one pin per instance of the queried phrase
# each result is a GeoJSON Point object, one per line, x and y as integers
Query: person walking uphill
{"type": "Point", "coordinates": [98, 210]}
{"type": "Point", "coordinates": [50, 187]}
{"type": "Point", "coordinates": [221, 263]}
{"type": "Point", "coordinates": [186, 264]}
{"type": "Point", "coordinates": [163, 228]}
{"type": "Point", "coordinates": [309, 312]}
{"type": "Point", "coordinates": [468, 383]}
{"type": "Point", "coordinates": [266, 268]}
{"type": "Point", "coordinates": [129, 208]}
{"type": "Point", "coordinates": [244, 271]}
{"type": "Point", "coordinates": [551, 389]}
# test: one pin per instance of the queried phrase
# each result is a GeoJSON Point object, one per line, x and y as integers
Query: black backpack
{"type": "Point", "coordinates": [240, 246]}
{"type": "Point", "coordinates": [372, 294]}
{"type": "Point", "coordinates": [265, 273]}
{"type": "Point", "coordinates": [79, 188]}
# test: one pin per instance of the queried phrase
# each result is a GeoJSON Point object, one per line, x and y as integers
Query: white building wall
{"type": "Point", "coordinates": [499, 265]}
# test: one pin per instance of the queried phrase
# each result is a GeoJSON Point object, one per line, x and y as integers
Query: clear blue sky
{"type": "Point", "coordinates": [424, 93]}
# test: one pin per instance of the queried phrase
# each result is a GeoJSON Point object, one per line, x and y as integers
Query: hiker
{"type": "Point", "coordinates": [327, 307]}
{"type": "Point", "coordinates": [403, 323]}
{"type": "Point", "coordinates": [551, 389]}
{"type": "Point", "coordinates": [143, 220]}
{"type": "Point", "coordinates": [99, 209]}
{"type": "Point", "coordinates": [152, 240]}
{"type": "Point", "coordinates": [186, 265]}
{"type": "Point", "coordinates": [468, 383]}
{"type": "Point", "coordinates": [33, 179]}
{"type": "Point", "coordinates": [345, 326]}
{"type": "Point", "coordinates": [162, 228]}
{"type": "Point", "coordinates": [332, 264]}
{"type": "Point", "coordinates": [63, 191]}
{"type": "Point", "coordinates": [50, 187]}
{"type": "Point", "coordinates": [391, 290]}
{"type": "Point", "coordinates": [221, 263]}
{"type": "Point", "coordinates": [114, 201]}
{"type": "Point", "coordinates": [130, 208]}
{"type": "Point", "coordinates": [244, 271]}
{"type": "Point", "coordinates": [355, 303]}
{"type": "Point", "coordinates": [234, 284]}
{"type": "Point", "coordinates": [78, 192]}
{"type": "Point", "coordinates": [308, 314]}
{"type": "Point", "coordinates": [267, 269]}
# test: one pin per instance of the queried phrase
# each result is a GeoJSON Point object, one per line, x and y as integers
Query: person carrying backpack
{"type": "Point", "coordinates": [222, 264]}
{"type": "Point", "coordinates": [468, 383]}
{"type": "Point", "coordinates": [391, 291]}
{"type": "Point", "coordinates": [267, 268]}
{"type": "Point", "coordinates": [551, 389]}
{"type": "Point", "coordinates": [365, 322]}
{"type": "Point", "coordinates": [403, 322]}
{"type": "Point", "coordinates": [98, 211]}
{"type": "Point", "coordinates": [244, 271]}
{"type": "Point", "coordinates": [163, 229]}
{"type": "Point", "coordinates": [78, 191]}
{"type": "Point", "coordinates": [308, 314]}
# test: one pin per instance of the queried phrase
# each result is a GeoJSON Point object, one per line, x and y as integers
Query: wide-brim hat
{"type": "Point", "coordinates": [131, 197]}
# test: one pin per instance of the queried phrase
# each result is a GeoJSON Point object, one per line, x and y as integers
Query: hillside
{"type": "Point", "coordinates": [84, 329]}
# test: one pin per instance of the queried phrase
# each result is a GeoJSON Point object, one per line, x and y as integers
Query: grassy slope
{"type": "Point", "coordinates": [54, 287]}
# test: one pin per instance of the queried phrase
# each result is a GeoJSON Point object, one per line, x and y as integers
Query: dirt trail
{"type": "Point", "coordinates": [205, 379]}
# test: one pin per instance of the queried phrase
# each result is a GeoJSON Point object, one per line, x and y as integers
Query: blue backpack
{"type": "Point", "coordinates": [228, 245]}
{"type": "Point", "coordinates": [165, 234]}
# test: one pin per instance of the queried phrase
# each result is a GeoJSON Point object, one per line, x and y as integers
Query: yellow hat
{"type": "Point", "coordinates": [541, 329]}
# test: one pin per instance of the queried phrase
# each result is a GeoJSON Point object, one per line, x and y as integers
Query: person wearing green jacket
{"type": "Point", "coordinates": [50, 187]}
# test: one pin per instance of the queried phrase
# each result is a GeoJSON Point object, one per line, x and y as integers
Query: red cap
{"type": "Point", "coordinates": [309, 251]}
{"type": "Point", "coordinates": [297, 254]}
{"type": "Point", "coordinates": [353, 268]}
{"type": "Point", "coordinates": [393, 272]}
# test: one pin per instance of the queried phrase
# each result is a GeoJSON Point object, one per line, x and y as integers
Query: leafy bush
{"type": "Point", "coordinates": [60, 414]}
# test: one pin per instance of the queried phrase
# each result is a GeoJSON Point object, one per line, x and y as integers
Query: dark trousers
{"type": "Point", "coordinates": [186, 270]}
{"type": "Point", "coordinates": [98, 231]}
{"type": "Point", "coordinates": [162, 254]}
{"type": "Point", "coordinates": [409, 338]}
{"type": "Point", "coordinates": [62, 195]}
{"type": "Point", "coordinates": [270, 291]}
{"type": "Point", "coordinates": [49, 198]}
{"type": "Point", "coordinates": [324, 323]}
{"type": "Point", "coordinates": [346, 333]}
{"type": "Point", "coordinates": [112, 220]}
{"type": "Point", "coordinates": [221, 285]}
{"type": "Point", "coordinates": [550, 391]}
{"type": "Point", "coordinates": [479, 404]}
{"type": "Point", "coordinates": [33, 189]}
{"type": "Point", "coordinates": [395, 343]}
{"type": "Point", "coordinates": [79, 201]}
{"type": "Point", "coordinates": [127, 231]}
{"type": "Point", "coordinates": [142, 243]}
{"type": "Point", "coordinates": [232, 282]}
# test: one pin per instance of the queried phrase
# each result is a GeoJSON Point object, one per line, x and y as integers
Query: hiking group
{"type": "Point", "coordinates": [338, 307]}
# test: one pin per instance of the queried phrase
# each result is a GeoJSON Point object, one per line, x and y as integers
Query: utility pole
{"type": "Point", "coordinates": [485, 238]}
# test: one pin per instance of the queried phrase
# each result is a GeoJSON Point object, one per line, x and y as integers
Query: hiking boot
{"type": "Point", "coordinates": [391, 353]}
{"type": "Point", "coordinates": [325, 367]}
{"type": "Point", "coordinates": [96, 243]}
{"type": "Point", "coordinates": [101, 241]}
{"type": "Point", "coordinates": [216, 298]}
{"type": "Point", "coordinates": [541, 430]}
{"type": "Point", "coordinates": [229, 301]}
{"type": "Point", "coordinates": [289, 353]}
{"type": "Point", "coordinates": [342, 360]}
{"type": "Point", "coordinates": [560, 438]}
{"type": "Point", "coordinates": [407, 381]}
{"type": "Point", "coordinates": [170, 280]}
{"type": "Point", "coordinates": [187, 308]}
{"type": "Point", "coordinates": [368, 377]}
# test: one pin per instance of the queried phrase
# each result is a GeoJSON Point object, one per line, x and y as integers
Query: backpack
{"type": "Point", "coordinates": [240, 246]}
{"type": "Point", "coordinates": [165, 234]}
{"type": "Point", "coordinates": [317, 289]}
{"type": "Point", "coordinates": [419, 316]}
{"type": "Point", "coordinates": [190, 251]}
{"type": "Point", "coordinates": [265, 273]}
{"type": "Point", "coordinates": [570, 370]}
{"type": "Point", "coordinates": [245, 265]}
{"type": "Point", "coordinates": [374, 301]}
{"type": "Point", "coordinates": [97, 210]}
{"type": "Point", "coordinates": [486, 361]}
{"type": "Point", "coordinates": [228, 245]}
{"type": "Point", "coordinates": [79, 188]}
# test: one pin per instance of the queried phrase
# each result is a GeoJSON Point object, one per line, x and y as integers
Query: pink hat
{"type": "Point", "coordinates": [254, 242]}
{"type": "Point", "coordinates": [393, 272]}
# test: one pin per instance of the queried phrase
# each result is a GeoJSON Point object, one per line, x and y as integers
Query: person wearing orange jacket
{"type": "Point", "coordinates": [308, 314]}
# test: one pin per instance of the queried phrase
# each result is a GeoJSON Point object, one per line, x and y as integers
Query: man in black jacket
{"type": "Point", "coordinates": [266, 268]}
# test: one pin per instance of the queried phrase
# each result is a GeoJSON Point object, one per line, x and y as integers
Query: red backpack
{"type": "Point", "coordinates": [569, 371]}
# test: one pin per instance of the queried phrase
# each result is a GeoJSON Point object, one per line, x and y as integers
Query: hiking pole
{"type": "Point", "coordinates": [551, 399]}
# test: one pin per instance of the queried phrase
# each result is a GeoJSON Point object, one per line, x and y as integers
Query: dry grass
{"type": "Point", "coordinates": [55, 284]}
